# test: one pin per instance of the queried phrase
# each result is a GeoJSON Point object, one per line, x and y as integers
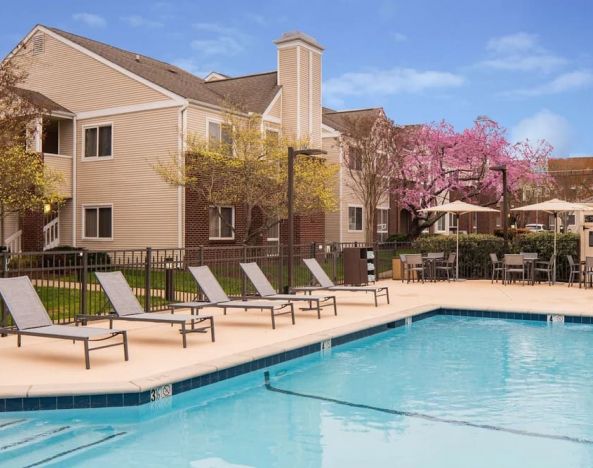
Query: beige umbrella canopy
{"type": "Point", "coordinates": [458, 208]}
{"type": "Point", "coordinates": [554, 206]}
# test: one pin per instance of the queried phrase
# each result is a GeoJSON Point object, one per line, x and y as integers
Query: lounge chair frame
{"type": "Point", "coordinates": [47, 330]}
{"type": "Point", "coordinates": [325, 283]}
{"type": "Point", "coordinates": [218, 298]}
{"type": "Point", "coordinates": [266, 291]}
{"type": "Point", "coordinates": [136, 314]}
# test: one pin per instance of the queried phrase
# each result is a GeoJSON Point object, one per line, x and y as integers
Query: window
{"type": "Point", "coordinates": [355, 218]}
{"type": "Point", "coordinates": [98, 141]}
{"type": "Point", "coordinates": [98, 222]}
{"type": "Point", "coordinates": [570, 219]}
{"type": "Point", "coordinates": [382, 224]}
{"type": "Point", "coordinates": [274, 232]}
{"type": "Point", "coordinates": [442, 224]}
{"type": "Point", "coordinates": [220, 134]}
{"type": "Point", "coordinates": [452, 221]}
{"type": "Point", "coordinates": [354, 158]}
{"type": "Point", "coordinates": [222, 222]}
{"type": "Point", "coordinates": [51, 136]}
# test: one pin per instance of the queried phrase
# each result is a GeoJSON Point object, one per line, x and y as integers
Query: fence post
{"type": "Point", "coordinates": [243, 279]}
{"type": "Point", "coordinates": [147, 282]}
{"type": "Point", "coordinates": [334, 254]}
{"type": "Point", "coordinates": [84, 279]}
{"type": "Point", "coordinates": [3, 274]}
{"type": "Point", "coordinates": [280, 267]}
{"type": "Point", "coordinates": [376, 259]}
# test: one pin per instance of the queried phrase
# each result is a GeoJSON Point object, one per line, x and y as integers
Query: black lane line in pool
{"type": "Point", "coordinates": [428, 417]}
{"type": "Point", "coordinates": [34, 437]}
{"type": "Point", "coordinates": [11, 423]}
{"type": "Point", "coordinates": [75, 449]}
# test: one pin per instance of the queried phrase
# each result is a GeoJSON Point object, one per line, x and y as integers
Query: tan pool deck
{"type": "Point", "coordinates": [46, 367]}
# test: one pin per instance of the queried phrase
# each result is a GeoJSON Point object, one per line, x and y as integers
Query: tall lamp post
{"type": "Point", "coordinates": [292, 154]}
{"type": "Point", "coordinates": [505, 205]}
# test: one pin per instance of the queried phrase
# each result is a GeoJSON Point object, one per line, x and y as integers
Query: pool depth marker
{"type": "Point", "coordinates": [428, 417]}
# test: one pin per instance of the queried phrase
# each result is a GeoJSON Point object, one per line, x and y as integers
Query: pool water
{"type": "Point", "coordinates": [444, 392]}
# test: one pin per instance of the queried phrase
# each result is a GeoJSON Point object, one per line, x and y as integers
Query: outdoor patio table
{"type": "Point", "coordinates": [530, 265]}
{"type": "Point", "coordinates": [430, 260]}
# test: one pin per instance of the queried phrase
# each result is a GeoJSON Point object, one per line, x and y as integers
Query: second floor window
{"type": "Point", "coordinates": [98, 141]}
{"type": "Point", "coordinates": [354, 158]}
{"type": "Point", "coordinates": [382, 224]}
{"type": "Point", "coordinates": [355, 218]}
{"type": "Point", "coordinates": [220, 134]}
{"type": "Point", "coordinates": [222, 222]}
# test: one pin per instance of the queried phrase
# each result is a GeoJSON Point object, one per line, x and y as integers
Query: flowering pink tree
{"type": "Point", "coordinates": [437, 163]}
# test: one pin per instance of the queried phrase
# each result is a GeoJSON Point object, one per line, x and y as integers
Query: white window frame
{"type": "Point", "coordinates": [274, 239]}
{"type": "Point", "coordinates": [59, 140]}
{"type": "Point", "coordinates": [83, 224]}
{"type": "Point", "coordinates": [220, 221]}
{"type": "Point", "coordinates": [210, 120]}
{"type": "Point", "coordinates": [386, 231]}
{"type": "Point", "coordinates": [445, 219]}
{"type": "Point", "coordinates": [83, 158]}
{"type": "Point", "coordinates": [361, 218]}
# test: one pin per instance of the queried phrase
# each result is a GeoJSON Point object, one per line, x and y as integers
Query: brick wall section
{"type": "Point", "coordinates": [32, 223]}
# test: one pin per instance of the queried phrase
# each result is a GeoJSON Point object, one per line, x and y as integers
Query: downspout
{"type": "Point", "coordinates": [74, 181]}
{"type": "Point", "coordinates": [181, 156]}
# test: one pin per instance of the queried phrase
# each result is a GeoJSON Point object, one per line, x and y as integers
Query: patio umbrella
{"type": "Point", "coordinates": [554, 206]}
{"type": "Point", "coordinates": [458, 208]}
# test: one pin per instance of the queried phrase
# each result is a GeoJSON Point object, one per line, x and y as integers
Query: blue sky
{"type": "Point", "coordinates": [527, 64]}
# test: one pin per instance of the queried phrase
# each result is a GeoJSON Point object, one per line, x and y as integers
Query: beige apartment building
{"type": "Point", "coordinates": [111, 114]}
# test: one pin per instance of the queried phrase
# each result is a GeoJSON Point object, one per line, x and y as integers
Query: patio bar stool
{"type": "Point", "coordinates": [414, 264]}
{"type": "Point", "coordinates": [545, 267]}
{"type": "Point", "coordinates": [588, 271]}
{"type": "Point", "coordinates": [497, 267]}
{"type": "Point", "coordinates": [514, 264]}
{"type": "Point", "coordinates": [446, 266]}
{"type": "Point", "coordinates": [574, 270]}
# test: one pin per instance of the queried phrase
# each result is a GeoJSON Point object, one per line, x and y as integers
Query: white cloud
{"type": "Point", "coordinates": [399, 37]}
{"type": "Point", "coordinates": [566, 82]}
{"type": "Point", "coordinates": [137, 21]}
{"type": "Point", "coordinates": [388, 82]}
{"type": "Point", "coordinates": [226, 40]}
{"type": "Point", "coordinates": [90, 19]}
{"type": "Point", "coordinates": [545, 125]}
{"type": "Point", "coordinates": [520, 52]}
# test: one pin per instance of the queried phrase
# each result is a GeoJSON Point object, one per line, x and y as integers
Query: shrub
{"type": "Point", "coordinates": [474, 250]}
{"type": "Point", "coordinates": [543, 244]}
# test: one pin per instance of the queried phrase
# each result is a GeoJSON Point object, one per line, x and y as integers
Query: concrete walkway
{"type": "Point", "coordinates": [43, 367]}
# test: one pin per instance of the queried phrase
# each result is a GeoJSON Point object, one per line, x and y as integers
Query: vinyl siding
{"type": "Point", "coordinates": [276, 110]}
{"type": "Point", "coordinates": [332, 219]}
{"type": "Point", "coordinates": [65, 227]}
{"type": "Point", "coordinates": [287, 69]}
{"type": "Point", "coordinates": [11, 224]}
{"type": "Point", "coordinates": [144, 206]}
{"type": "Point", "coordinates": [66, 134]}
{"type": "Point", "coordinates": [63, 166]}
{"type": "Point", "coordinates": [79, 82]}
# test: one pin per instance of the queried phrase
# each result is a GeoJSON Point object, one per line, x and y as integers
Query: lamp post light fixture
{"type": "Point", "coordinates": [292, 154]}
{"type": "Point", "coordinates": [505, 205]}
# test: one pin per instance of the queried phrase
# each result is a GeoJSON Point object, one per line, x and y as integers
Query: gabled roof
{"type": "Point", "coordinates": [341, 120]}
{"type": "Point", "coordinates": [41, 101]}
{"type": "Point", "coordinates": [252, 92]}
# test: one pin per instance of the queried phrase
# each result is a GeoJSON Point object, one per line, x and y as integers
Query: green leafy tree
{"type": "Point", "coordinates": [248, 168]}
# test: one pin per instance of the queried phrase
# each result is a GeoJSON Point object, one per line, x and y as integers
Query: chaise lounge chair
{"type": "Point", "coordinates": [325, 283]}
{"type": "Point", "coordinates": [31, 319]}
{"type": "Point", "coordinates": [127, 307]}
{"type": "Point", "coordinates": [267, 291]}
{"type": "Point", "coordinates": [215, 294]}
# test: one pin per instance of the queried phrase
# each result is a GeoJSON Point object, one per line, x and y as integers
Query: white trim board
{"type": "Point", "coordinates": [128, 109]}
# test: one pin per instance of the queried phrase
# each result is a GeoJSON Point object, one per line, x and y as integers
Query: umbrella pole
{"type": "Point", "coordinates": [457, 254]}
{"type": "Point", "coordinates": [555, 239]}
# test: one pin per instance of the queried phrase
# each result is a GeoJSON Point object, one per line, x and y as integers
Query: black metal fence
{"type": "Point", "coordinates": [67, 286]}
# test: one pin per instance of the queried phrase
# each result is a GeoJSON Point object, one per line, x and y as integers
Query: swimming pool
{"type": "Point", "coordinates": [445, 392]}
